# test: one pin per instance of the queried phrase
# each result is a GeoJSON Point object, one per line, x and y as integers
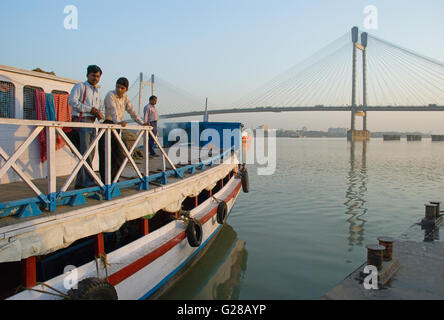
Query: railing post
{"type": "Point", "coordinates": [51, 167]}
{"type": "Point", "coordinates": [145, 183]}
{"type": "Point", "coordinates": [108, 178]}
{"type": "Point", "coordinates": [164, 177]}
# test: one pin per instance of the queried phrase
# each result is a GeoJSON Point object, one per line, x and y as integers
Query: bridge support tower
{"type": "Point", "coordinates": [353, 134]}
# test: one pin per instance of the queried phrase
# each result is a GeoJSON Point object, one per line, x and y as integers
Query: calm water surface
{"type": "Point", "coordinates": [302, 230]}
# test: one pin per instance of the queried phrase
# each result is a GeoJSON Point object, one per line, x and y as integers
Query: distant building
{"type": "Point", "coordinates": [264, 127]}
{"type": "Point", "coordinates": [339, 131]}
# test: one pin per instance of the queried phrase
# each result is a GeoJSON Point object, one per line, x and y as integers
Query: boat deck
{"type": "Point", "coordinates": [19, 190]}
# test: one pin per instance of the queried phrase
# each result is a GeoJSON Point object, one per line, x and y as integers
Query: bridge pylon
{"type": "Point", "coordinates": [353, 134]}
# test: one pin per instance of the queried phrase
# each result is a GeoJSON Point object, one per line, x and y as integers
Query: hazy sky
{"type": "Point", "coordinates": [220, 49]}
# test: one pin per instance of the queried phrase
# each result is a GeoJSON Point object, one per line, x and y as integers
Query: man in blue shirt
{"type": "Point", "coordinates": [86, 102]}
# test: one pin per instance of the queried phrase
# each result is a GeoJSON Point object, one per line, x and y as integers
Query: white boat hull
{"type": "Point", "coordinates": [140, 268]}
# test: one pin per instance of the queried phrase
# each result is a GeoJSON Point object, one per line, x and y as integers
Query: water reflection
{"type": "Point", "coordinates": [356, 193]}
{"type": "Point", "coordinates": [431, 233]}
{"type": "Point", "coordinates": [217, 274]}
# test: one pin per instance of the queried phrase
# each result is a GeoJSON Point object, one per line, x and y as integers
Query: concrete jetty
{"type": "Point", "coordinates": [420, 276]}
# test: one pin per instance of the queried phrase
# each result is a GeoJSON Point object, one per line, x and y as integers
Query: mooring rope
{"type": "Point", "coordinates": [58, 294]}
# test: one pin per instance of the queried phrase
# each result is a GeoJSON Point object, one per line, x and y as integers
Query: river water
{"type": "Point", "coordinates": [302, 230]}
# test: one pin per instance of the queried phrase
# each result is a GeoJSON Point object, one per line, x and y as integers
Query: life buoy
{"type": "Point", "coordinates": [93, 289]}
{"type": "Point", "coordinates": [245, 181]}
{"type": "Point", "coordinates": [222, 211]}
{"type": "Point", "coordinates": [194, 233]}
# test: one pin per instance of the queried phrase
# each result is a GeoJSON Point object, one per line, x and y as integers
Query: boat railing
{"type": "Point", "coordinates": [110, 188]}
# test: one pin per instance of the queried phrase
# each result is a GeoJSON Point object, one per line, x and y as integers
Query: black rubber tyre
{"type": "Point", "coordinates": [222, 212]}
{"type": "Point", "coordinates": [194, 233]}
{"type": "Point", "coordinates": [93, 289]}
{"type": "Point", "coordinates": [245, 181]}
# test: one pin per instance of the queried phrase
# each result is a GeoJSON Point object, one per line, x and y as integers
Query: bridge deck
{"type": "Point", "coordinates": [305, 108]}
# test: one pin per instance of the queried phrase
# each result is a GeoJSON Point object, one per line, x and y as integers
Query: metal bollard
{"type": "Point", "coordinates": [438, 206]}
{"type": "Point", "coordinates": [430, 211]}
{"type": "Point", "coordinates": [375, 255]}
{"type": "Point", "coordinates": [387, 242]}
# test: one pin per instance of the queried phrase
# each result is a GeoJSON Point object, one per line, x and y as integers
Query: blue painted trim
{"type": "Point", "coordinates": [18, 203]}
{"type": "Point", "coordinates": [145, 184]}
{"type": "Point", "coordinates": [30, 210]}
{"type": "Point", "coordinates": [164, 179]}
{"type": "Point", "coordinates": [77, 200]}
{"type": "Point", "coordinates": [168, 277]}
{"type": "Point", "coordinates": [44, 199]}
{"type": "Point", "coordinates": [112, 191]}
{"type": "Point", "coordinates": [52, 198]}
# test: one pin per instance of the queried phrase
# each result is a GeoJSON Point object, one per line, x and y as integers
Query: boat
{"type": "Point", "coordinates": [128, 236]}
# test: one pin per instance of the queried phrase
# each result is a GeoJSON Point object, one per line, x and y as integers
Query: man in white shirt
{"type": "Point", "coordinates": [86, 101]}
{"type": "Point", "coordinates": [151, 116]}
{"type": "Point", "coordinates": [116, 103]}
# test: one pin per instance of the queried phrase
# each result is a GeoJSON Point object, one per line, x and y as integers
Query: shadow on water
{"type": "Point", "coordinates": [217, 274]}
{"type": "Point", "coordinates": [356, 193]}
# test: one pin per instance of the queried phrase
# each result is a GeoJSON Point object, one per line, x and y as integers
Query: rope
{"type": "Point", "coordinates": [104, 259]}
{"type": "Point", "coordinates": [217, 200]}
{"type": "Point", "coordinates": [58, 294]}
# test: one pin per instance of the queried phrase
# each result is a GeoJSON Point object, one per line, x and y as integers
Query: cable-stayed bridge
{"type": "Point", "coordinates": [358, 74]}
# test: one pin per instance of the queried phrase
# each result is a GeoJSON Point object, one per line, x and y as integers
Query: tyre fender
{"type": "Point", "coordinates": [93, 289]}
{"type": "Point", "coordinates": [222, 212]}
{"type": "Point", "coordinates": [194, 233]}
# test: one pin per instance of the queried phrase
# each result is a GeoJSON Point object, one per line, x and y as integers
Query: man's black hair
{"type": "Point", "coordinates": [152, 98]}
{"type": "Point", "coordinates": [93, 69]}
{"type": "Point", "coordinates": [123, 81]}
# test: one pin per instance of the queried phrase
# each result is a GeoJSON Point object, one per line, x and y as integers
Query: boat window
{"type": "Point", "coordinates": [7, 100]}
{"type": "Point", "coordinates": [59, 92]}
{"type": "Point", "coordinates": [28, 102]}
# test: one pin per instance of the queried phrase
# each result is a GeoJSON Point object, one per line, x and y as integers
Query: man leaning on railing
{"type": "Point", "coordinates": [116, 103]}
{"type": "Point", "coordinates": [86, 101]}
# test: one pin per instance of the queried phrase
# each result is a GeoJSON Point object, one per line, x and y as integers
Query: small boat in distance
{"type": "Point", "coordinates": [124, 238]}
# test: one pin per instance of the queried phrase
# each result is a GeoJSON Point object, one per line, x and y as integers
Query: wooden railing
{"type": "Point", "coordinates": [53, 195]}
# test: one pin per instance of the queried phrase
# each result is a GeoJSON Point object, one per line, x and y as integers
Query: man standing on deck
{"type": "Point", "coordinates": [151, 116]}
{"type": "Point", "coordinates": [85, 100]}
{"type": "Point", "coordinates": [116, 103]}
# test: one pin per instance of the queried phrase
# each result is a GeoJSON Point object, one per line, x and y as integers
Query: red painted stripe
{"type": "Point", "coordinates": [136, 266]}
{"type": "Point", "coordinates": [209, 215]}
{"type": "Point", "coordinates": [129, 270]}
